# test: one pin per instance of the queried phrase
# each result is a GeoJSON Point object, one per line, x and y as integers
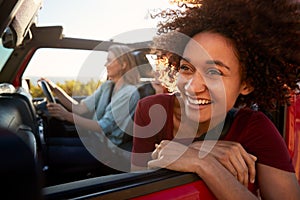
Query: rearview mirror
{"type": "Point", "coordinates": [19, 28]}
{"type": "Point", "coordinates": [8, 38]}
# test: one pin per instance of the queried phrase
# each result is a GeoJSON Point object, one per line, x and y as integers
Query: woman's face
{"type": "Point", "coordinates": [113, 66]}
{"type": "Point", "coordinates": [209, 78]}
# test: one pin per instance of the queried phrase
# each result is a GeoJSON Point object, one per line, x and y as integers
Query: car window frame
{"type": "Point", "coordinates": [125, 185]}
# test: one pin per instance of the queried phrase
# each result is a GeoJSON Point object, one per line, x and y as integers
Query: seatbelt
{"type": "Point", "coordinates": [111, 92]}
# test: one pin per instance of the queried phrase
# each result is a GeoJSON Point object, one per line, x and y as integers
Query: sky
{"type": "Point", "coordinates": [99, 19]}
{"type": "Point", "coordinates": [120, 20]}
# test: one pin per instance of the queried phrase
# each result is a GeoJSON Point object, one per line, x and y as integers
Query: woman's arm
{"type": "Point", "coordinates": [277, 184]}
{"type": "Point", "coordinates": [232, 156]}
{"type": "Point", "coordinates": [70, 103]}
{"type": "Point", "coordinates": [220, 181]}
{"type": "Point", "coordinates": [273, 183]}
{"type": "Point", "coordinates": [58, 111]}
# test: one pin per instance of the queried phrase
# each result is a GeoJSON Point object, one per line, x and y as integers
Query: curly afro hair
{"type": "Point", "coordinates": [265, 34]}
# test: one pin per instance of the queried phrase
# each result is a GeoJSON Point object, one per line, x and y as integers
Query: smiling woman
{"type": "Point", "coordinates": [224, 65]}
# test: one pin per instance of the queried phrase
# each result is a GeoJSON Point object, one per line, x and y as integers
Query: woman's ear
{"type": "Point", "coordinates": [124, 65]}
{"type": "Point", "coordinates": [246, 88]}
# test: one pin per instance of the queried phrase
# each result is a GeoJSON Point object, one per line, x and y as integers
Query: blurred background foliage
{"type": "Point", "coordinates": [71, 87]}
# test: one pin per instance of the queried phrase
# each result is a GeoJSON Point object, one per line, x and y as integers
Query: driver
{"type": "Point", "coordinates": [113, 103]}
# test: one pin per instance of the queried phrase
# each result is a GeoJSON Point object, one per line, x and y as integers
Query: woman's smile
{"type": "Point", "coordinates": [197, 103]}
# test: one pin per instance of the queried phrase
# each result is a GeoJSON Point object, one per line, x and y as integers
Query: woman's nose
{"type": "Point", "coordinates": [196, 84]}
{"type": "Point", "coordinates": [108, 63]}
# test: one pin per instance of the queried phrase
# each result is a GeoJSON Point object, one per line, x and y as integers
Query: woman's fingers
{"type": "Point", "coordinates": [50, 83]}
{"type": "Point", "coordinates": [157, 155]}
{"type": "Point", "coordinates": [154, 154]}
{"type": "Point", "coordinates": [232, 156]}
{"type": "Point", "coordinates": [172, 150]}
{"type": "Point", "coordinates": [174, 156]}
{"type": "Point", "coordinates": [158, 147]}
{"type": "Point", "coordinates": [52, 107]}
{"type": "Point", "coordinates": [228, 165]}
{"type": "Point", "coordinates": [251, 168]}
{"type": "Point", "coordinates": [241, 168]}
{"type": "Point", "coordinates": [56, 110]}
{"type": "Point", "coordinates": [245, 163]}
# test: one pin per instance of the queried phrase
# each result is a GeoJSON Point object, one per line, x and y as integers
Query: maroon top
{"type": "Point", "coordinates": [252, 129]}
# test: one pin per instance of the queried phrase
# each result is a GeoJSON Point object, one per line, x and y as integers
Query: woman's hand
{"type": "Point", "coordinates": [174, 156]}
{"type": "Point", "coordinates": [232, 156]}
{"type": "Point", "coordinates": [51, 84]}
{"type": "Point", "coordinates": [58, 111]}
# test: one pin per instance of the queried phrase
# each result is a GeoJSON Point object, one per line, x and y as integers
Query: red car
{"type": "Point", "coordinates": [22, 45]}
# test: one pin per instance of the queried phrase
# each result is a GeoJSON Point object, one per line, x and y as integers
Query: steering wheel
{"type": "Point", "coordinates": [47, 91]}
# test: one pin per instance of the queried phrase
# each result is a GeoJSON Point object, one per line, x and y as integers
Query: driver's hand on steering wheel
{"type": "Point", "coordinates": [51, 84]}
{"type": "Point", "coordinates": [58, 111]}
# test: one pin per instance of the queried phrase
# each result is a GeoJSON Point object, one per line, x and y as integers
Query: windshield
{"type": "Point", "coordinates": [4, 54]}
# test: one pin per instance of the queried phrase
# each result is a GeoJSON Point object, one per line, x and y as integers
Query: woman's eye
{"type": "Point", "coordinates": [214, 72]}
{"type": "Point", "coordinates": [185, 68]}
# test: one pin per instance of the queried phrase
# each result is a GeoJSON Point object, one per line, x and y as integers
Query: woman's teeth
{"type": "Point", "coordinates": [199, 102]}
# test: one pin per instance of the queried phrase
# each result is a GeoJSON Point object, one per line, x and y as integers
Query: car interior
{"type": "Point", "coordinates": [51, 140]}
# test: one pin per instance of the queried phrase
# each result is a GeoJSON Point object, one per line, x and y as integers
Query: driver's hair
{"type": "Point", "coordinates": [123, 55]}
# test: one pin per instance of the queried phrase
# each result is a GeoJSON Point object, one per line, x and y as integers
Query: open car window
{"type": "Point", "coordinates": [4, 54]}
{"type": "Point", "coordinates": [66, 66]}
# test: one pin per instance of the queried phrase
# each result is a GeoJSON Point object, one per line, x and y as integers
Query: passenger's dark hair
{"type": "Point", "coordinates": [265, 34]}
